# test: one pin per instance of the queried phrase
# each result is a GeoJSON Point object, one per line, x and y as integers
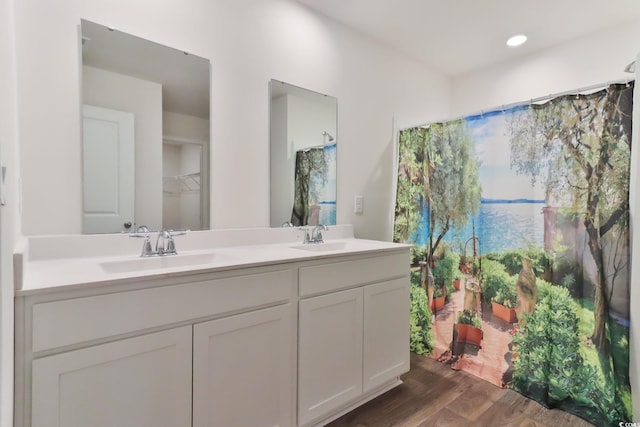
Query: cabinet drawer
{"type": "Point", "coordinates": [67, 322]}
{"type": "Point", "coordinates": [325, 278]}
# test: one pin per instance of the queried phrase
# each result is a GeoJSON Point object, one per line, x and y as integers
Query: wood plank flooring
{"type": "Point", "coordinates": [435, 395]}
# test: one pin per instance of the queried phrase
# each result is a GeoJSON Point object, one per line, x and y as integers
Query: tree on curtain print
{"type": "Point", "coordinates": [579, 146]}
{"type": "Point", "coordinates": [454, 188]}
{"type": "Point", "coordinates": [437, 171]}
{"type": "Point", "coordinates": [413, 183]}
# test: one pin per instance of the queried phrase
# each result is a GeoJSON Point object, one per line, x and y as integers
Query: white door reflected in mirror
{"type": "Point", "coordinates": [109, 176]}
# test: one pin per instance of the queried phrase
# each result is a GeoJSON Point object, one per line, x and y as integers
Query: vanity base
{"type": "Point", "coordinates": [307, 334]}
{"type": "Point", "coordinates": [356, 404]}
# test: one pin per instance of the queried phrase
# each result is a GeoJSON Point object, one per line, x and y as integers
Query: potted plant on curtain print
{"type": "Point", "coordinates": [445, 271]}
{"type": "Point", "coordinates": [499, 289]}
{"type": "Point", "coordinates": [439, 294]}
{"type": "Point", "coordinates": [456, 280]}
{"type": "Point", "coordinates": [469, 328]}
{"type": "Point", "coordinates": [503, 304]}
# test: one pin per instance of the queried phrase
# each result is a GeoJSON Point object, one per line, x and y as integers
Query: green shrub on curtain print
{"type": "Point", "coordinates": [422, 338]}
{"type": "Point", "coordinates": [512, 260]}
{"type": "Point", "coordinates": [494, 277]}
{"type": "Point", "coordinates": [548, 364]}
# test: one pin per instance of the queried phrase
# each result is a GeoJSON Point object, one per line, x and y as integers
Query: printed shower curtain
{"type": "Point", "coordinates": [315, 186]}
{"type": "Point", "coordinates": [519, 221]}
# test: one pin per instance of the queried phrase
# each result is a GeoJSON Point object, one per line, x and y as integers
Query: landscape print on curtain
{"type": "Point", "coordinates": [519, 221]}
{"type": "Point", "coordinates": [315, 186]}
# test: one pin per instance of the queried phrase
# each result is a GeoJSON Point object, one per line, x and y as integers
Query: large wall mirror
{"type": "Point", "coordinates": [145, 134]}
{"type": "Point", "coordinates": [303, 154]}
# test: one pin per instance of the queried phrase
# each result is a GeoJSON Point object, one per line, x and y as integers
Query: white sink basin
{"type": "Point", "coordinates": [161, 262]}
{"type": "Point", "coordinates": [322, 247]}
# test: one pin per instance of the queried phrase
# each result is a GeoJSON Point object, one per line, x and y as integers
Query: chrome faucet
{"type": "Point", "coordinates": [168, 246]}
{"type": "Point", "coordinates": [316, 234]}
{"type": "Point", "coordinates": [165, 245]}
{"type": "Point", "coordinates": [313, 235]}
{"type": "Point", "coordinates": [307, 235]}
{"type": "Point", "coordinates": [144, 232]}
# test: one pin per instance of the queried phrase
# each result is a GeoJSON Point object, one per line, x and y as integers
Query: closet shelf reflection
{"type": "Point", "coordinates": [177, 184]}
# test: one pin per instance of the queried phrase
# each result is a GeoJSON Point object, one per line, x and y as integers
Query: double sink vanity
{"type": "Point", "coordinates": [245, 328]}
{"type": "Point", "coordinates": [240, 328]}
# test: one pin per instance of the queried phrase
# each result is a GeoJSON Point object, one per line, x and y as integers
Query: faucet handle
{"type": "Point", "coordinates": [169, 245]}
{"type": "Point", "coordinates": [146, 244]}
{"type": "Point", "coordinates": [307, 235]}
{"type": "Point", "coordinates": [146, 247]}
{"type": "Point", "coordinates": [142, 231]}
{"type": "Point", "coordinates": [317, 233]}
{"type": "Point", "coordinates": [178, 233]}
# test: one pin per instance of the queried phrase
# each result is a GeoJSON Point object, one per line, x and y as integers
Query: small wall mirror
{"type": "Point", "coordinates": [145, 134]}
{"type": "Point", "coordinates": [303, 155]}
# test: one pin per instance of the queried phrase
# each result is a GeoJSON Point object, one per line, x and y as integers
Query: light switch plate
{"type": "Point", "coordinates": [358, 204]}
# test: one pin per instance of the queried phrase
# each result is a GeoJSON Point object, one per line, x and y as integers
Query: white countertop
{"type": "Point", "coordinates": [55, 263]}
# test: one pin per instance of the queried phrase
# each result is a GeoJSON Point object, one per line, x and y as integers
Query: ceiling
{"type": "Point", "coordinates": [459, 36]}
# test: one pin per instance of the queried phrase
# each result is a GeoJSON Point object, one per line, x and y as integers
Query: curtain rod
{"type": "Point", "coordinates": [531, 101]}
{"type": "Point", "coordinates": [310, 148]}
{"type": "Point", "coordinates": [317, 146]}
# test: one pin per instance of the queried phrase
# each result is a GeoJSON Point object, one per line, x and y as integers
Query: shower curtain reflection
{"type": "Point", "coordinates": [314, 192]}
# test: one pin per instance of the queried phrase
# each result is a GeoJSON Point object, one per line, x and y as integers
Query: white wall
{"type": "Point", "coordinates": [9, 213]}
{"type": "Point", "coordinates": [249, 42]}
{"type": "Point", "coordinates": [307, 119]}
{"type": "Point", "coordinates": [143, 98]}
{"type": "Point", "coordinates": [599, 58]}
{"type": "Point", "coordinates": [587, 61]}
{"type": "Point", "coordinates": [184, 126]}
{"type": "Point", "coordinates": [281, 194]}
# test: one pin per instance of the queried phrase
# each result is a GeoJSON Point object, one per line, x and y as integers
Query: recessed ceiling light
{"type": "Point", "coordinates": [516, 40]}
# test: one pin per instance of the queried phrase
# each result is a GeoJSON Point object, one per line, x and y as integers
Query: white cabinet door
{"type": "Point", "coordinates": [141, 381]}
{"type": "Point", "coordinates": [386, 332]}
{"type": "Point", "coordinates": [330, 353]}
{"type": "Point", "coordinates": [244, 371]}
